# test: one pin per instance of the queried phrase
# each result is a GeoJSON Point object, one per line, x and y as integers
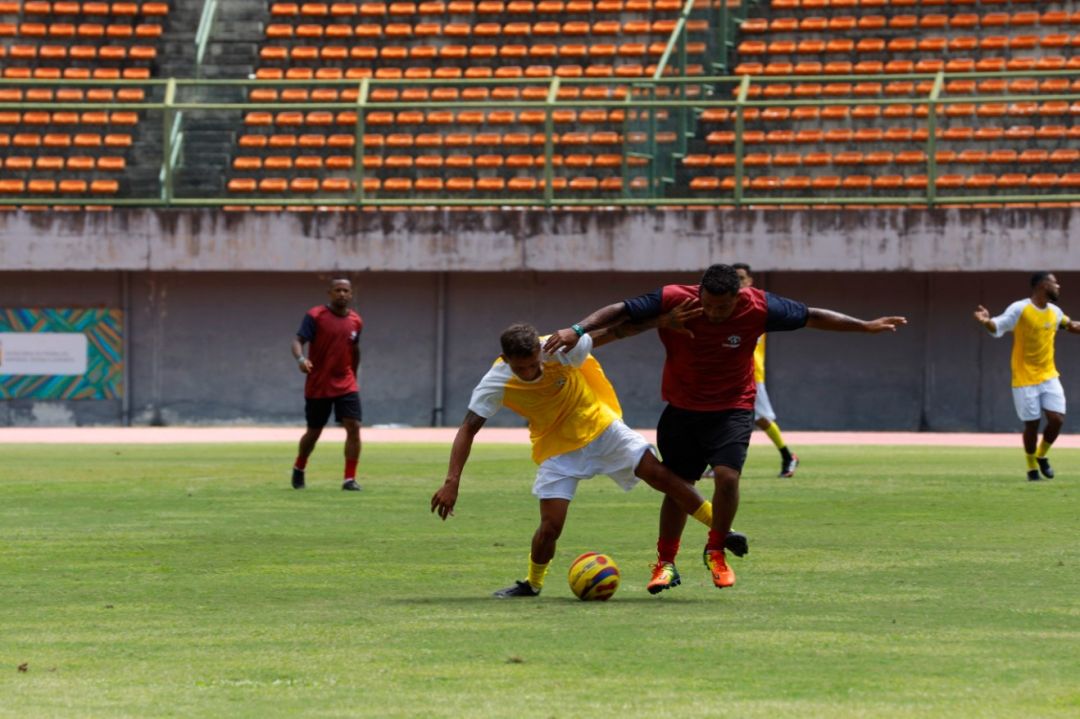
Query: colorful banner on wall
{"type": "Point", "coordinates": [61, 353]}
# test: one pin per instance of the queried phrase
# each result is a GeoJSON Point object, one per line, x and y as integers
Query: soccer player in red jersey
{"type": "Point", "coordinates": [332, 332]}
{"type": "Point", "coordinates": [708, 383]}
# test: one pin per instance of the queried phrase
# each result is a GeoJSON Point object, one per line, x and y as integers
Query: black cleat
{"type": "Point", "coordinates": [737, 543]}
{"type": "Point", "coordinates": [787, 467]}
{"type": "Point", "coordinates": [1045, 468]}
{"type": "Point", "coordinates": [520, 589]}
{"type": "Point", "coordinates": [1033, 476]}
{"type": "Point", "coordinates": [297, 478]}
{"type": "Point", "coordinates": [351, 486]}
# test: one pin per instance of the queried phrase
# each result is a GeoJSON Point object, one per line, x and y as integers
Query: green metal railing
{"type": "Point", "coordinates": [649, 106]}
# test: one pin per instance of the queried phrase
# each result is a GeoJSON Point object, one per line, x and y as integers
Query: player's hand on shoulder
{"type": "Point", "coordinates": [563, 340]}
{"type": "Point", "coordinates": [676, 319]}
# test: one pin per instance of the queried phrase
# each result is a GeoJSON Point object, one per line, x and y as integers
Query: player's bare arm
{"type": "Point", "coordinates": [1073, 327]}
{"type": "Point", "coordinates": [604, 318]}
{"type": "Point", "coordinates": [674, 320]}
{"type": "Point", "coordinates": [443, 501]}
{"type": "Point", "coordinates": [298, 354]}
{"type": "Point", "coordinates": [822, 319]}
{"type": "Point", "coordinates": [982, 316]}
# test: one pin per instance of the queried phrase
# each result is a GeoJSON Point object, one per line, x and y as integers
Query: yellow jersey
{"type": "Point", "coordinates": [1033, 340]}
{"type": "Point", "coordinates": [759, 360]}
{"type": "Point", "coordinates": [568, 406]}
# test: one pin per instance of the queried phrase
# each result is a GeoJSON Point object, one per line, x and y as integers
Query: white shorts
{"type": "Point", "coordinates": [1030, 401]}
{"type": "Point", "coordinates": [762, 406]}
{"type": "Point", "coordinates": [616, 453]}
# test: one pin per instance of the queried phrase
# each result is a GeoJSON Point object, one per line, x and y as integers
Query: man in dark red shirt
{"type": "Point", "coordinates": [333, 333]}
{"type": "Point", "coordinates": [708, 383]}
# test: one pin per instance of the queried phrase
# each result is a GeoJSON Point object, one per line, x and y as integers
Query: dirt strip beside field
{"type": "Point", "coordinates": [445, 435]}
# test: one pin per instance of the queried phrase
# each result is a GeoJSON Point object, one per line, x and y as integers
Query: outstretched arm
{"type": "Point", "coordinates": [605, 318]}
{"type": "Point", "coordinates": [674, 320]}
{"type": "Point", "coordinates": [1073, 327]}
{"type": "Point", "coordinates": [821, 319]}
{"type": "Point", "coordinates": [445, 498]}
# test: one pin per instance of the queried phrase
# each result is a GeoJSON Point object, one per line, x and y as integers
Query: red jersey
{"type": "Point", "coordinates": [714, 369]}
{"type": "Point", "coordinates": [334, 342]}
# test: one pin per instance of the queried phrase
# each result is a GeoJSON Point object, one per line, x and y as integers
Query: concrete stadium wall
{"type": "Point", "coordinates": [208, 347]}
{"type": "Point", "coordinates": [986, 240]}
{"type": "Point", "coordinates": [215, 298]}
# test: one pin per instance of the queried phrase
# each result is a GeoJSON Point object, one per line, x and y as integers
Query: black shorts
{"type": "Point", "coordinates": [691, 441]}
{"type": "Point", "coordinates": [317, 409]}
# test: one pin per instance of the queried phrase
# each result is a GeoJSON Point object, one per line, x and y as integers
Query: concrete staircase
{"type": "Point", "coordinates": [231, 53]}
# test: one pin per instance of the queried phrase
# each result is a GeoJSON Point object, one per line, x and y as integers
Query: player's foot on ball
{"type": "Point", "coordinates": [1033, 476]}
{"type": "Point", "coordinates": [664, 576]}
{"type": "Point", "coordinates": [788, 466]}
{"type": "Point", "coordinates": [737, 543]}
{"type": "Point", "coordinates": [297, 478]}
{"type": "Point", "coordinates": [722, 574]}
{"type": "Point", "coordinates": [1045, 468]}
{"type": "Point", "coordinates": [520, 589]}
{"type": "Point", "coordinates": [351, 486]}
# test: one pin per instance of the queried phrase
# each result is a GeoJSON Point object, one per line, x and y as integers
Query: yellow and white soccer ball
{"type": "Point", "coordinates": [594, 577]}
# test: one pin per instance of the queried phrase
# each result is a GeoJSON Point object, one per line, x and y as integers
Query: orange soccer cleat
{"type": "Point", "coordinates": [722, 574]}
{"type": "Point", "coordinates": [664, 576]}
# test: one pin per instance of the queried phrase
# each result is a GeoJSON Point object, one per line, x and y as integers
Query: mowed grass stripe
{"type": "Point", "coordinates": [192, 581]}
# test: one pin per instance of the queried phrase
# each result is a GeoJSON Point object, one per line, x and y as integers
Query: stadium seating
{"type": "Point", "coordinates": [871, 138]}
{"type": "Point", "coordinates": [495, 49]}
{"type": "Point", "coordinates": [54, 153]}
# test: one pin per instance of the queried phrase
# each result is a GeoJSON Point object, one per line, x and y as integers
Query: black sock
{"type": "Point", "coordinates": [785, 454]}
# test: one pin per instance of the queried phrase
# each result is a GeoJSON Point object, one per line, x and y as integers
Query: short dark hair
{"type": "Point", "coordinates": [1037, 277]}
{"type": "Point", "coordinates": [742, 266]}
{"type": "Point", "coordinates": [720, 280]}
{"type": "Point", "coordinates": [519, 340]}
{"type": "Point", "coordinates": [335, 280]}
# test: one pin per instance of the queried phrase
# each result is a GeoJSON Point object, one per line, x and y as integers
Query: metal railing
{"type": "Point", "coordinates": [646, 106]}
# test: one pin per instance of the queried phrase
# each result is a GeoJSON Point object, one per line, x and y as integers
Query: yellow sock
{"type": "Point", "coordinates": [537, 572]}
{"type": "Point", "coordinates": [1043, 449]}
{"type": "Point", "coordinates": [774, 434]}
{"type": "Point", "coordinates": [1031, 463]}
{"type": "Point", "coordinates": [704, 513]}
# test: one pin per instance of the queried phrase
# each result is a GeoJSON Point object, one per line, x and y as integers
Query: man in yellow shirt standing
{"type": "Point", "coordinates": [576, 431]}
{"type": "Point", "coordinates": [1035, 385]}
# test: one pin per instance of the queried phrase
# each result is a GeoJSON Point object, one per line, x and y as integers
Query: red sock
{"type": "Point", "coordinates": [716, 540]}
{"type": "Point", "coordinates": [350, 468]}
{"type": "Point", "coordinates": [666, 549]}
{"type": "Point", "coordinates": [301, 462]}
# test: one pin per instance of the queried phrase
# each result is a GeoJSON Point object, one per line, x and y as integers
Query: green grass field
{"type": "Point", "coordinates": [191, 581]}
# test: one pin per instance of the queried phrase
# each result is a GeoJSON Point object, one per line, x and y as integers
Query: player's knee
{"type": "Point", "coordinates": [550, 529]}
{"type": "Point", "coordinates": [726, 477]}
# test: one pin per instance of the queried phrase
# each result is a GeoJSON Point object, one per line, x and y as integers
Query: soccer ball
{"type": "Point", "coordinates": [594, 576]}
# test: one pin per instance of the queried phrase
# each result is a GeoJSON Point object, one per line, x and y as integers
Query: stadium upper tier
{"type": "Point", "coordinates": [550, 102]}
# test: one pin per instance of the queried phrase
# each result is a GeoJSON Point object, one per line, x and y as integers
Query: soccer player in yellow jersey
{"type": "Point", "coordinates": [576, 433]}
{"type": "Point", "coordinates": [1035, 385]}
{"type": "Point", "coordinates": [764, 416]}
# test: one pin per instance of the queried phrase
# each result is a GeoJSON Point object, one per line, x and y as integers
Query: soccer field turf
{"type": "Point", "coordinates": [192, 581]}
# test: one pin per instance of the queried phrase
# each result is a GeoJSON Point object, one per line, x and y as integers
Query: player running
{"type": "Point", "coordinates": [333, 332]}
{"type": "Point", "coordinates": [576, 433]}
{"type": "Point", "coordinates": [708, 383]}
{"type": "Point", "coordinates": [1036, 386]}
